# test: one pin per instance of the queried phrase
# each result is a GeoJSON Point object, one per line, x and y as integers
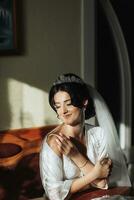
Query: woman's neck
{"type": "Point", "coordinates": [74, 131]}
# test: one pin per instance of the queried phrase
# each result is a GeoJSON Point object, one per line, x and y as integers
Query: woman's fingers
{"type": "Point", "coordinates": [109, 161]}
{"type": "Point", "coordinates": [103, 167]}
{"type": "Point", "coordinates": [105, 161]}
{"type": "Point", "coordinates": [63, 145]}
{"type": "Point", "coordinates": [59, 145]}
{"type": "Point", "coordinates": [107, 167]}
{"type": "Point", "coordinates": [65, 141]}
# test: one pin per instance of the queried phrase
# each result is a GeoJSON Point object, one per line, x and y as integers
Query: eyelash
{"type": "Point", "coordinates": [69, 104]}
{"type": "Point", "coordinates": [57, 107]}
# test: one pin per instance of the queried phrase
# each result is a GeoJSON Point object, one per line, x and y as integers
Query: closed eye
{"type": "Point", "coordinates": [69, 104]}
{"type": "Point", "coordinates": [57, 107]}
{"type": "Point", "coordinates": [66, 103]}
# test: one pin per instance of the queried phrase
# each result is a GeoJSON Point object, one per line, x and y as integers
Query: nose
{"type": "Point", "coordinates": [64, 109]}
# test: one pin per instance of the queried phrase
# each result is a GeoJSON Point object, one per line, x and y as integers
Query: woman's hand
{"type": "Point", "coordinates": [102, 168]}
{"type": "Point", "coordinates": [65, 146]}
{"type": "Point", "coordinates": [100, 183]}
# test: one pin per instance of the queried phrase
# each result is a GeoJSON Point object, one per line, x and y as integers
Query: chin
{"type": "Point", "coordinates": [71, 123]}
{"type": "Point", "coordinates": [72, 120]}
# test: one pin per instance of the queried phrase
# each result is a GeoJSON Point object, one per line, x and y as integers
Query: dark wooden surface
{"type": "Point", "coordinates": [89, 194]}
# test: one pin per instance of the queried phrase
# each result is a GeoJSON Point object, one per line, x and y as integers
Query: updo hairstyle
{"type": "Point", "coordinates": [76, 88]}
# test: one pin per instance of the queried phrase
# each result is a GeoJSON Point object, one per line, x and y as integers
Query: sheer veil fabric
{"type": "Point", "coordinates": [57, 182]}
{"type": "Point", "coordinates": [119, 175]}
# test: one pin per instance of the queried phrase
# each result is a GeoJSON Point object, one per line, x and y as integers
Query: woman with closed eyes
{"type": "Point", "coordinates": [74, 156]}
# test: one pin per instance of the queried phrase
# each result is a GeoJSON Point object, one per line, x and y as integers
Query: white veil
{"type": "Point", "coordinates": [119, 175]}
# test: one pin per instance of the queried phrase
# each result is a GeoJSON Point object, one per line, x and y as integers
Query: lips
{"type": "Point", "coordinates": [67, 115]}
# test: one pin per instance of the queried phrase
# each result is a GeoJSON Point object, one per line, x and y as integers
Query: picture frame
{"type": "Point", "coordinates": [8, 30]}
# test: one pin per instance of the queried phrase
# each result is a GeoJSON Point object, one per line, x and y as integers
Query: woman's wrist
{"type": "Point", "coordinates": [83, 164]}
{"type": "Point", "coordinates": [89, 178]}
{"type": "Point", "coordinates": [100, 183]}
{"type": "Point", "coordinates": [79, 160]}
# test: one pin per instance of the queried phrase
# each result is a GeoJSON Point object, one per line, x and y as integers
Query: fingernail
{"type": "Point", "coordinates": [57, 140]}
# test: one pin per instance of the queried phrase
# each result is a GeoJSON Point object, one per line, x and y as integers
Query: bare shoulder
{"type": "Point", "coordinates": [52, 143]}
{"type": "Point", "coordinates": [51, 140]}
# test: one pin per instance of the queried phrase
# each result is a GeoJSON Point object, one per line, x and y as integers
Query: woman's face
{"type": "Point", "coordinates": [68, 113]}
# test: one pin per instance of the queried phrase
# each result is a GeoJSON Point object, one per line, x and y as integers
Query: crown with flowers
{"type": "Point", "coordinates": [65, 78]}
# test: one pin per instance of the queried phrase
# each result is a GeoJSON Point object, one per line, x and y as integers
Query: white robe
{"type": "Point", "coordinates": [58, 173]}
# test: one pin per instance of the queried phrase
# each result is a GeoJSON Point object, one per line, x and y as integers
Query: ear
{"type": "Point", "coordinates": [85, 103]}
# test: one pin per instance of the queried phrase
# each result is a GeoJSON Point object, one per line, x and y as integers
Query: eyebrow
{"type": "Point", "coordinates": [64, 101]}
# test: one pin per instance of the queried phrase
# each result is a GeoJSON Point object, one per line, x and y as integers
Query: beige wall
{"type": "Point", "coordinates": [50, 36]}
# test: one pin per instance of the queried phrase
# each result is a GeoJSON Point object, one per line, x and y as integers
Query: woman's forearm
{"type": "Point", "coordinates": [84, 164]}
{"type": "Point", "coordinates": [83, 182]}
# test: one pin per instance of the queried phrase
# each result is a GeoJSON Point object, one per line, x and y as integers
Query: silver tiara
{"type": "Point", "coordinates": [68, 79]}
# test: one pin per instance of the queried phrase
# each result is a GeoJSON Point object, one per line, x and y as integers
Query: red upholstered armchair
{"type": "Point", "coordinates": [19, 166]}
{"type": "Point", "coordinates": [19, 163]}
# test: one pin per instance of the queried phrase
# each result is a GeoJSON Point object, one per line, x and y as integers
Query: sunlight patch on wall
{"type": "Point", "coordinates": [29, 106]}
{"type": "Point", "coordinates": [124, 136]}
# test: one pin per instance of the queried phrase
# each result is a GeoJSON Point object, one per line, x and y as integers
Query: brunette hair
{"type": "Point", "coordinates": [76, 88]}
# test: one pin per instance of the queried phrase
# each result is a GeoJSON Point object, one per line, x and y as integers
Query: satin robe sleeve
{"type": "Point", "coordinates": [101, 144]}
{"type": "Point", "coordinates": [52, 174]}
{"type": "Point", "coordinates": [97, 146]}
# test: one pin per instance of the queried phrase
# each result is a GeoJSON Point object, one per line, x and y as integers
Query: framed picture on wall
{"type": "Point", "coordinates": [8, 35]}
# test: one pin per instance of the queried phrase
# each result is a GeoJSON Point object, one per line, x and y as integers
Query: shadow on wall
{"type": "Point", "coordinates": [44, 53]}
{"type": "Point", "coordinates": [28, 106]}
{"type": "Point", "coordinates": [5, 117]}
